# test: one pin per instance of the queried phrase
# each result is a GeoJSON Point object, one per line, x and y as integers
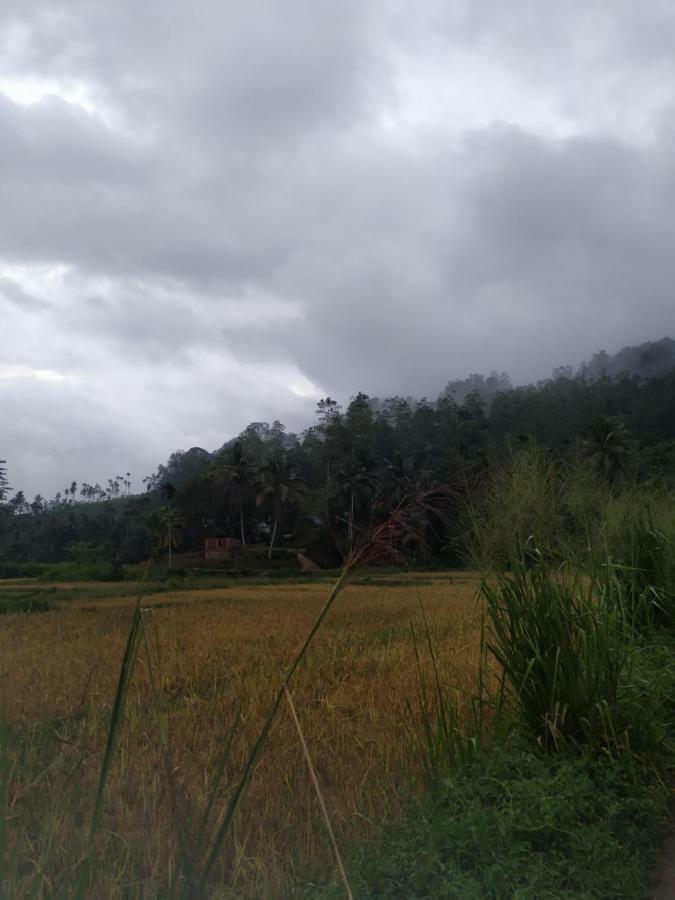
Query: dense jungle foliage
{"type": "Point", "coordinates": [597, 433]}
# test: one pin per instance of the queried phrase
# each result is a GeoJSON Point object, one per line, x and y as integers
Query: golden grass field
{"type": "Point", "coordinates": [211, 651]}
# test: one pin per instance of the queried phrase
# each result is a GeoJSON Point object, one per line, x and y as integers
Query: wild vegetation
{"type": "Point", "coordinates": [250, 731]}
{"type": "Point", "coordinates": [346, 472]}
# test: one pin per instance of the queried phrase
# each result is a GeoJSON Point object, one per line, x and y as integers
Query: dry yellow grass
{"type": "Point", "coordinates": [212, 650]}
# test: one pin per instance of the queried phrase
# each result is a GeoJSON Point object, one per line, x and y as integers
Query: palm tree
{"type": "Point", "coordinates": [398, 481]}
{"type": "Point", "coordinates": [609, 446]}
{"type": "Point", "coordinates": [169, 523]}
{"type": "Point", "coordinates": [237, 473]}
{"type": "Point", "coordinates": [167, 490]}
{"type": "Point", "coordinates": [355, 483]}
{"type": "Point", "coordinates": [165, 524]}
{"type": "Point", "coordinates": [278, 483]}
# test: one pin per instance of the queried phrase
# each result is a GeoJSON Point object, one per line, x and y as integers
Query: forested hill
{"type": "Point", "coordinates": [353, 464]}
{"type": "Point", "coordinates": [648, 360]}
{"type": "Point", "coordinates": [522, 415]}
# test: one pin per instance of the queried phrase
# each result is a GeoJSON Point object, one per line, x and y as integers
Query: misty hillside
{"type": "Point", "coordinates": [649, 360]}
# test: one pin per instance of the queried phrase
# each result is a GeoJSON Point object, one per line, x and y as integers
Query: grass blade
{"type": "Point", "coordinates": [229, 740]}
{"type": "Point", "coordinates": [317, 788]}
{"type": "Point", "coordinates": [126, 670]}
{"type": "Point", "coordinates": [267, 725]}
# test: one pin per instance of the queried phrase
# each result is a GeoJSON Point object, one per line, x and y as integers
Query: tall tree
{"type": "Point", "coordinates": [18, 504]}
{"type": "Point", "coordinates": [167, 517]}
{"type": "Point", "coordinates": [237, 473]}
{"type": "Point", "coordinates": [329, 414]}
{"type": "Point", "coordinates": [165, 525]}
{"type": "Point", "coordinates": [609, 446]}
{"type": "Point", "coordinates": [360, 426]}
{"type": "Point", "coordinates": [398, 480]}
{"type": "Point", "coordinates": [278, 484]}
{"type": "Point", "coordinates": [355, 485]}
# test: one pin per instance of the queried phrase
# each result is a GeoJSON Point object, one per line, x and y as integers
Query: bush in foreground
{"type": "Point", "coordinates": [521, 823]}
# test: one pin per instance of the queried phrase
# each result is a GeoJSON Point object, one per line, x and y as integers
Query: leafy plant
{"type": "Point", "coordinates": [641, 559]}
{"type": "Point", "coordinates": [562, 652]}
{"type": "Point", "coordinates": [609, 447]}
{"type": "Point", "coordinates": [434, 728]}
{"type": "Point", "coordinates": [520, 824]}
{"type": "Point", "coordinates": [519, 506]}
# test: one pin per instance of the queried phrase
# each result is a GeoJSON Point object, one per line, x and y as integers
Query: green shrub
{"type": "Point", "coordinates": [641, 564]}
{"type": "Point", "coordinates": [521, 506]}
{"type": "Point", "coordinates": [523, 824]}
{"type": "Point", "coordinates": [562, 652]}
{"type": "Point", "coordinates": [24, 602]}
{"type": "Point", "coordinates": [102, 570]}
{"type": "Point", "coordinates": [21, 569]}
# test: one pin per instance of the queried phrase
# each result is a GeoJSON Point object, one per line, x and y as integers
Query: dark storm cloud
{"type": "Point", "coordinates": [211, 212]}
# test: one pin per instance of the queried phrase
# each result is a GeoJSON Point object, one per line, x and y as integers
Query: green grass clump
{"type": "Point", "coordinates": [563, 654]}
{"type": "Point", "coordinates": [99, 570]}
{"type": "Point", "coordinates": [25, 601]}
{"type": "Point", "coordinates": [642, 561]}
{"type": "Point", "coordinates": [522, 823]}
{"type": "Point", "coordinates": [589, 673]}
{"type": "Point", "coordinates": [20, 569]}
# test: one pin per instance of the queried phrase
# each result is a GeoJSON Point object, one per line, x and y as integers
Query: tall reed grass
{"type": "Point", "coordinates": [640, 557]}
{"type": "Point", "coordinates": [563, 653]}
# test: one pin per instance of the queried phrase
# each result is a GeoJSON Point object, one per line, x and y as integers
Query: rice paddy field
{"type": "Point", "coordinates": [209, 657]}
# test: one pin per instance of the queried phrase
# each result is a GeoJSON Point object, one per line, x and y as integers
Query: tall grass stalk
{"type": "Point", "coordinates": [126, 670]}
{"type": "Point", "coordinates": [433, 722]}
{"type": "Point", "coordinates": [563, 654]}
{"type": "Point", "coordinates": [148, 658]}
{"type": "Point", "coordinates": [641, 560]}
{"type": "Point", "coordinates": [404, 520]}
{"type": "Point", "coordinates": [317, 788]}
{"type": "Point", "coordinates": [215, 786]}
{"type": "Point", "coordinates": [128, 663]}
{"type": "Point", "coordinates": [259, 745]}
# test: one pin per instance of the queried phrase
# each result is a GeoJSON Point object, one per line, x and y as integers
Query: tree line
{"type": "Point", "coordinates": [321, 489]}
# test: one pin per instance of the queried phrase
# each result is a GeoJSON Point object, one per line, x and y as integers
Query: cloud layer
{"type": "Point", "coordinates": [216, 213]}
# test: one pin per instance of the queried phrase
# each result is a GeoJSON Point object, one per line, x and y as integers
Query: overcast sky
{"type": "Point", "coordinates": [218, 211]}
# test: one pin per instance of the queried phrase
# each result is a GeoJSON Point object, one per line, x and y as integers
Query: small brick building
{"type": "Point", "coordinates": [221, 548]}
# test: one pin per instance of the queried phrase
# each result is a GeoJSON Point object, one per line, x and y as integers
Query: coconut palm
{"type": "Point", "coordinates": [278, 483]}
{"type": "Point", "coordinates": [355, 484]}
{"type": "Point", "coordinates": [398, 480]}
{"type": "Point", "coordinates": [608, 446]}
{"type": "Point", "coordinates": [168, 522]}
{"type": "Point", "coordinates": [166, 526]}
{"type": "Point", "coordinates": [237, 473]}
